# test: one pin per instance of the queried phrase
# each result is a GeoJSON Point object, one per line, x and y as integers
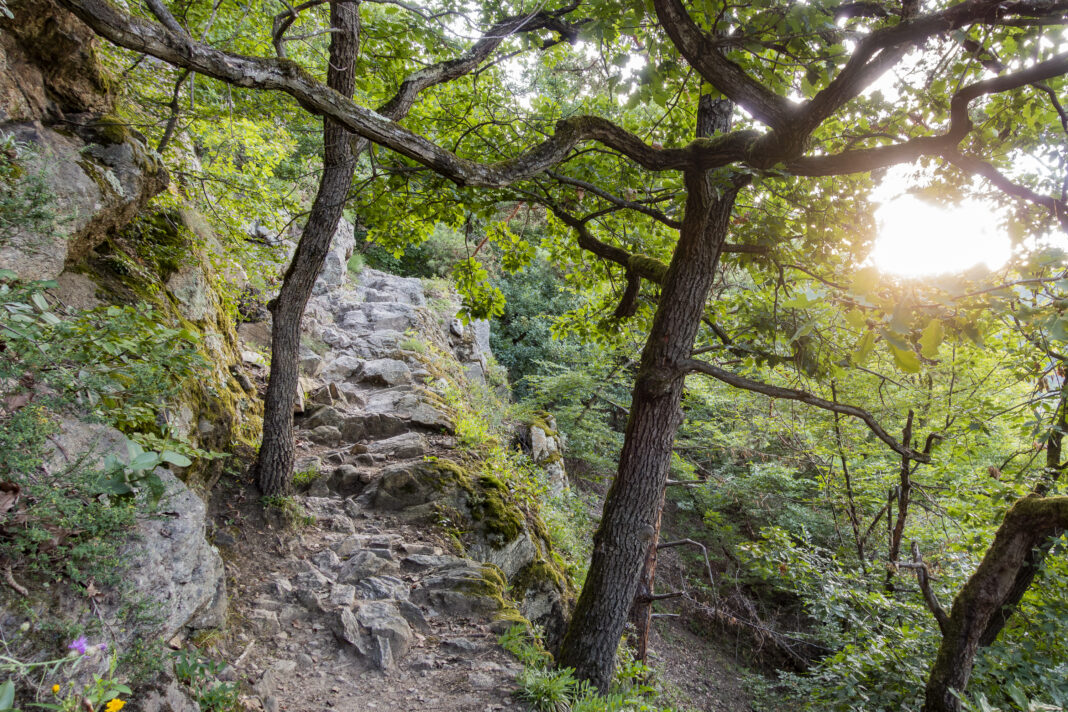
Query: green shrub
{"type": "Point", "coordinates": [552, 690]}
{"type": "Point", "coordinates": [355, 265]}
{"type": "Point", "coordinates": [120, 363]}
{"type": "Point", "coordinates": [199, 674]}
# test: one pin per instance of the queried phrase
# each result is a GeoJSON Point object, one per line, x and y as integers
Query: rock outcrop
{"type": "Point", "coordinates": [97, 173]}
{"type": "Point", "coordinates": [170, 571]}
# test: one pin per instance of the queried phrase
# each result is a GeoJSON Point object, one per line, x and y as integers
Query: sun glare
{"type": "Point", "coordinates": [919, 239]}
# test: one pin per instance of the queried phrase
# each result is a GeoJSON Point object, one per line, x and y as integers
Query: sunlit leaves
{"type": "Point", "coordinates": [932, 338]}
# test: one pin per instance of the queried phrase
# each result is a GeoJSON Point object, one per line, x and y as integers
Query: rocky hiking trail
{"type": "Point", "coordinates": [365, 607]}
{"type": "Point", "coordinates": [365, 604]}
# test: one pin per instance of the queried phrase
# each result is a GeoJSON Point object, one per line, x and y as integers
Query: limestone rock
{"type": "Point", "coordinates": [510, 558]}
{"type": "Point", "coordinates": [385, 372]}
{"type": "Point", "coordinates": [383, 620]}
{"type": "Point", "coordinates": [377, 588]}
{"type": "Point", "coordinates": [403, 446]}
{"type": "Point", "coordinates": [403, 486]}
{"type": "Point", "coordinates": [335, 267]}
{"type": "Point", "coordinates": [173, 564]}
{"type": "Point", "coordinates": [171, 698]}
{"type": "Point", "coordinates": [192, 290]}
{"type": "Point", "coordinates": [325, 435]}
{"type": "Point", "coordinates": [100, 186]}
{"type": "Point", "coordinates": [364, 564]}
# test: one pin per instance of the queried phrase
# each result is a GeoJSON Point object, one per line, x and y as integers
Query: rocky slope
{"type": "Point", "coordinates": [372, 603]}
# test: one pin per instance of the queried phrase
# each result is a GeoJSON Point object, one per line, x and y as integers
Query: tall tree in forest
{"type": "Point", "coordinates": [804, 79]}
{"type": "Point", "coordinates": [274, 464]}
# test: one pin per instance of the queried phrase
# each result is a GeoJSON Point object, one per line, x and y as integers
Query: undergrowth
{"type": "Point", "coordinates": [547, 689]}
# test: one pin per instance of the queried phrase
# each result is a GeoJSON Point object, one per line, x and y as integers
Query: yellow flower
{"type": "Point", "coordinates": [115, 705]}
{"type": "Point", "coordinates": [55, 689]}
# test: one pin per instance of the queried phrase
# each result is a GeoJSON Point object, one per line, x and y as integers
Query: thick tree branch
{"type": "Point", "coordinates": [286, 76]}
{"type": "Point", "coordinates": [868, 159]}
{"type": "Point", "coordinates": [698, 366]}
{"type": "Point", "coordinates": [703, 54]}
{"type": "Point", "coordinates": [1030, 523]}
{"type": "Point", "coordinates": [883, 48]}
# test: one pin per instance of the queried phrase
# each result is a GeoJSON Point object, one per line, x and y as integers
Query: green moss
{"type": "Point", "coordinates": [536, 573]}
{"type": "Point", "coordinates": [446, 472]}
{"type": "Point", "coordinates": [162, 241]}
{"type": "Point", "coordinates": [540, 419]}
{"type": "Point", "coordinates": [493, 508]}
{"type": "Point", "coordinates": [111, 130]}
{"type": "Point", "coordinates": [132, 268]}
{"type": "Point", "coordinates": [648, 267]}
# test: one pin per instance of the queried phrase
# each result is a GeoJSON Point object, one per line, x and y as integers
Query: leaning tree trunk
{"type": "Point", "coordinates": [274, 466]}
{"type": "Point", "coordinates": [633, 504]}
{"type": "Point", "coordinates": [1030, 523]}
{"type": "Point", "coordinates": [713, 116]}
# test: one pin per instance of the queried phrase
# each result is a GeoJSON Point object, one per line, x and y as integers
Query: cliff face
{"type": "Point", "coordinates": [54, 102]}
{"type": "Point", "coordinates": [75, 218]}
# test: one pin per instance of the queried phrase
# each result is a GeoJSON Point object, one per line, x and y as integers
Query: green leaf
{"type": "Point", "coordinates": [856, 318]}
{"type": "Point", "coordinates": [899, 322]}
{"type": "Point", "coordinates": [906, 359]}
{"type": "Point", "coordinates": [803, 330]}
{"type": "Point", "coordinates": [144, 461]}
{"type": "Point", "coordinates": [156, 489]}
{"type": "Point", "coordinates": [38, 299]}
{"type": "Point", "coordinates": [133, 449]}
{"type": "Point", "coordinates": [932, 338]}
{"type": "Point", "coordinates": [973, 333]}
{"type": "Point", "coordinates": [863, 348]}
{"type": "Point", "coordinates": [7, 695]}
{"type": "Point", "coordinates": [866, 281]}
{"type": "Point", "coordinates": [1058, 329]}
{"type": "Point", "coordinates": [895, 340]}
{"type": "Point", "coordinates": [175, 459]}
{"type": "Point", "coordinates": [1017, 696]}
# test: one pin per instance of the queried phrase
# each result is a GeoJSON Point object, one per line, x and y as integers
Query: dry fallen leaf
{"type": "Point", "coordinates": [15, 401]}
{"type": "Point", "coordinates": [9, 496]}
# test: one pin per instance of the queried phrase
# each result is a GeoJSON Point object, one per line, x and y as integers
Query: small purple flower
{"type": "Point", "coordinates": [79, 645]}
{"type": "Point", "coordinates": [103, 647]}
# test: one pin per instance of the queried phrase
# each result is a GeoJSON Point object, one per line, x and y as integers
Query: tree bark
{"type": "Point", "coordinates": [1050, 475]}
{"type": "Point", "coordinates": [274, 465]}
{"type": "Point", "coordinates": [713, 116]}
{"type": "Point", "coordinates": [1028, 525]}
{"type": "Point", "coordinates": [634, 501]}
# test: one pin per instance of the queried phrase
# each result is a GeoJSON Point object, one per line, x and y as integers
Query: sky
{"type": "Point", "coordinates": [917, 238]}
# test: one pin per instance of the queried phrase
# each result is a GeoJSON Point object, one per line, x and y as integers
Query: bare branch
{"type": "Point", "coordinates": [923, 577]}
{"type": "Point", "coordinates": [976, 166]}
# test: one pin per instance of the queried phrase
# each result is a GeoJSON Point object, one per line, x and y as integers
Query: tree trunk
{"type": "Point", "coordinates": [634, 501]}
{"type": "Point", "coordinates": [713, 116]}
{"type": "Point", "coordinates": [274, 466]}
{"type": "Point", "coordinates": [1030, 523]}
